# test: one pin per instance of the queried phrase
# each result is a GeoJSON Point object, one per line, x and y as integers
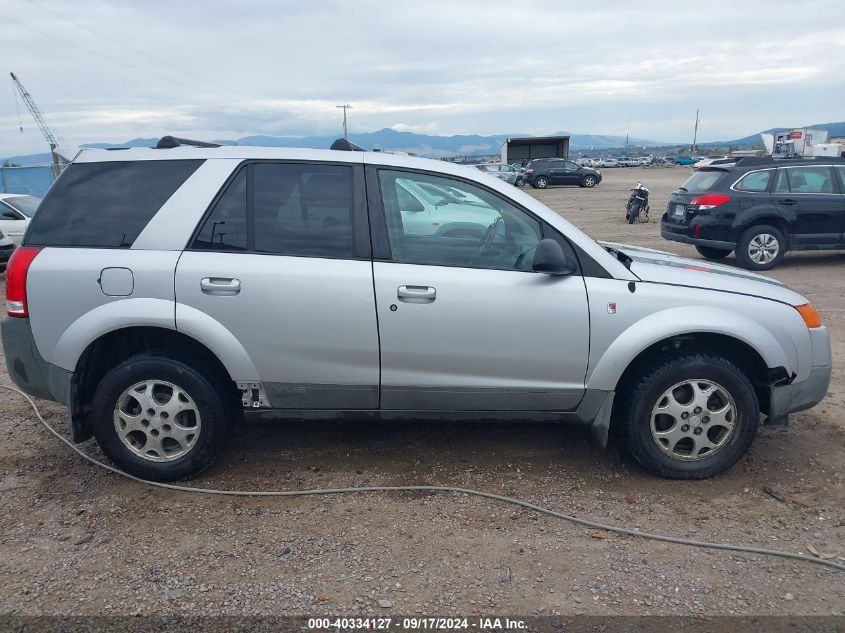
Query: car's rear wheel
{"type": "Point", "coordinates": [159, 417]}
{"type": "Point", "coordinates": [541, 182]}
{"type": "Point", "coordinates": [688, 417]}
{"type": "Point", "coordinates": [761, 247]}
{"type": "Point", "coordinates": [709, 252]}
{"type": "Point", "coordinates": [589, 182]}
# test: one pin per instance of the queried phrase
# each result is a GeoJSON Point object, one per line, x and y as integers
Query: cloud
{"type": "Point", "coordinates": [281, 67]}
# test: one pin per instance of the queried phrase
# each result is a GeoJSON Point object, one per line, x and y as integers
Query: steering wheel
{"type": "Point", "coordinates": [487, 237]}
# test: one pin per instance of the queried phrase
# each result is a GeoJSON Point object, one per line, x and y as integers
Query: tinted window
{"type": "Point", "coordinates": [225, 229]}
{"type": "Point", "coordinates": [106, 205]}
{"type": "Point", "coordinates": [302, 210]}
{"type": "Point", "coordinates": [702, 181]}
{"type": "Point", "coordinates": [755, 181]}
{"type": "Point", "coordinates": [570, 165]}
{"type": "Point", "coordinates": [471, 227]}
{"type": "Point", "coordinates": [810, 180]}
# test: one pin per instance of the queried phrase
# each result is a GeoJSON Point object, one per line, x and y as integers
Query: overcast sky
{"type": "Point", "coordinates": [225, 69]}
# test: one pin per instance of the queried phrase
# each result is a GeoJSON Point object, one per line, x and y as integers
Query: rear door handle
{"type": "Point", "coordinates": [788, 202]}
{"type": "Point", "coordinates": [416, 294]}
{"type": "Point", "coordinates": [220, 286]}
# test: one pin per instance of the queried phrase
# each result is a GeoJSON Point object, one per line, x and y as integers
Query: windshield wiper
{"type": "Point", "coordinates": [683, 189]}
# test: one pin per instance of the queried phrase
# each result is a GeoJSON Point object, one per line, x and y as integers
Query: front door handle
{"type": "Point", "coordinates": [788, 202]}
{"type": "Point", "coordinates": [226, 286]}
{"type": "Point", "coordinates": [416, 294]}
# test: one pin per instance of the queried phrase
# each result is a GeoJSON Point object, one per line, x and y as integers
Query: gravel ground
{"type": "Point", "coordinates": [77, 540]}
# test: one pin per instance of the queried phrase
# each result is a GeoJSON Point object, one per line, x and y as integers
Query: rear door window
{"type": "Point", "coordinates": [106, 205]}
{"type": "Point", "coordinates": [284, 209]}
{"type": "Point", "coordinates": [810, 180]}
{"type": "Point", "coordinates": [841, 172]}
{"type": "Point", "coordinates": [702, 181]}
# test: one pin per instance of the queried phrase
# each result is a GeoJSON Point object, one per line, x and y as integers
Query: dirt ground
{"type": "Point", "coordinates": [77, 540]}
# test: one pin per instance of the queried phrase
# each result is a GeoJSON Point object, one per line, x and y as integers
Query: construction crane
{"type": "Point", "coordinates": [50, 136]}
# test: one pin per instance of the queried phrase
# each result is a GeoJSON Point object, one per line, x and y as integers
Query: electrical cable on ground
{"type": "Point", "coordinates": [467, 491]}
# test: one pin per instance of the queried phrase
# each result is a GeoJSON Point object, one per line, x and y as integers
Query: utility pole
{"type": "Point", "coordinates": [695, 133]}
{"type": "Point", "coordinates": [345, 107]}
{"type": "Point", "coordinates": [49, 135]}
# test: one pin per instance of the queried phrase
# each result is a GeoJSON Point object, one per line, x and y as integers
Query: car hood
{"type": "Point", "coordinates": [665, 268]}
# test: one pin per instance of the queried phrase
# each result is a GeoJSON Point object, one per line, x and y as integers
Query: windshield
{"type": "Point", "coordinates": [701, 181]}
{"type": "Point", "coordinates": [25, 204]}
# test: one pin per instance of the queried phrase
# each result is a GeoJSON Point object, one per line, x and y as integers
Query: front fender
{"type": "Point", "coordinates": [671, 322]}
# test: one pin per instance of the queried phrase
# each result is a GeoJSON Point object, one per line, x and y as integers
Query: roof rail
{"type": "Point", "coordinates": [768, 160]}
{"type": "Point", "coordinates": [347, 146]}
{"type": "Point", "coordinates": [169, 142]}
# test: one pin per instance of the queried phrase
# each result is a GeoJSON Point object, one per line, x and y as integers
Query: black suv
{"type": "Point", "coordinates": [761, 208]}
{"type": "Point", "coordinates": [542, 172]}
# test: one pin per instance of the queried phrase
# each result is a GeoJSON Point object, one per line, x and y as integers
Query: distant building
{"type": "Point", "coordinates": [524, 149]}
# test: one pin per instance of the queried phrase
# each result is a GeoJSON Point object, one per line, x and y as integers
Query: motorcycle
{"type": "Point", "coordinates": [636, 209]}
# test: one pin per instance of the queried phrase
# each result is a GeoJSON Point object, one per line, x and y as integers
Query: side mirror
{"type": "Point", "coordinates": [10, 215]}
{"type": "Point", "coordinates": [549, 258]}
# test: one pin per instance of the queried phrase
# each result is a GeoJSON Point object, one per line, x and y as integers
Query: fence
{"type": "Point", "coordinates": [34, 180]}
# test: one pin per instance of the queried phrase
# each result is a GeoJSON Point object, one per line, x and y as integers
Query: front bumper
{"type": "Point", "coordinates": [798, 396]}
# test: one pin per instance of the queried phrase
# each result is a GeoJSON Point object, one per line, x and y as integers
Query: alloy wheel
{"type": "Point", "coordinates": [157, 420]}
{"type": "Point", "coordinates": [693, 419]}
{"type": "Point", "coordinates": [763, 248]}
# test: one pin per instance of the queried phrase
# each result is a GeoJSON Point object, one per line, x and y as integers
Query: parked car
{"type": "Point", "coordinates": [501, 171]}
{"type": "Point", "coordinates": [608, 163]}
{"type": "Point", "coordinates": [624, 161]}
{"type": "Point", "coordinates": [216, 283]}
{"type": "Point", "coordinates": [542, 172]}
{"type": "Point", "coordinates": [686, 160]}
{"type": "Point", "coordinates": [7, 246]}
{"type": "Point", "coordinates": [16, 211]}
{"type": "Point", "coordinates": [760, 208]}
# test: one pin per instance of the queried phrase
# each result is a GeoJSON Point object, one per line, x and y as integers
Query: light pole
{"type": "Point", "coordinates": [345, 107]}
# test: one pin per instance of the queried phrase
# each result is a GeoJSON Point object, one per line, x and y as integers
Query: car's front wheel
{"type": "Point", "coordinates": [589, 182]}
{"type": "Point", "coordinates": [541, 182]}
{"type": "Point", "coordinates": [761, 247]}
{"type": "Point", "coordinates": [159, 417]}
{"type": "Point", "coordinates": [688, 417]}
{"type": "Point", "coordinates": [708, 252]}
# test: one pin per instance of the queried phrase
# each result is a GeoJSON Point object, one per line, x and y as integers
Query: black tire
{"type": "Point", "coordinates": [589, 182]}
{"type": "Point", "coordinates": [541, 182]}
{"type": "Point", "coordinates": [709, 252]}
{"type": "Point", "coordinates": [207, 392]}
{"type": "Point", "coordinates": [756, 234]}
{"type": "Point", "coordinates": [638, 399]}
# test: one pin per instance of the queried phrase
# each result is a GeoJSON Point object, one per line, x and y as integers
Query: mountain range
{"type": "Point", "coordinates": [434, 146]}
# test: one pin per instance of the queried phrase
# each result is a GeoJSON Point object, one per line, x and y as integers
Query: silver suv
{"type": "Point", "coordinates": [164, 294]}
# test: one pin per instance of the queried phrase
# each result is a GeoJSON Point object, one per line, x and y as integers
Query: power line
{"type": "Point", "coordinates": [133, 49]}
{"type": "Point", "coordinates": [104, 56]}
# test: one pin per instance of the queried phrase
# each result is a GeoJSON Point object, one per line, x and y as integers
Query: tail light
{"type": "Point", "coordinates": [528, 170]}
{"type": "Point", "coordinates": [709, 201]}
{"type": "Point", "coordinates": [16, 271]}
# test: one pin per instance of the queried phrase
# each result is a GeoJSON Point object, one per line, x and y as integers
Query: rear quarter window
{"type": "Point", "coordinates": [106, 205]}
{"type": "Point", "coordinates": [702, 181]}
